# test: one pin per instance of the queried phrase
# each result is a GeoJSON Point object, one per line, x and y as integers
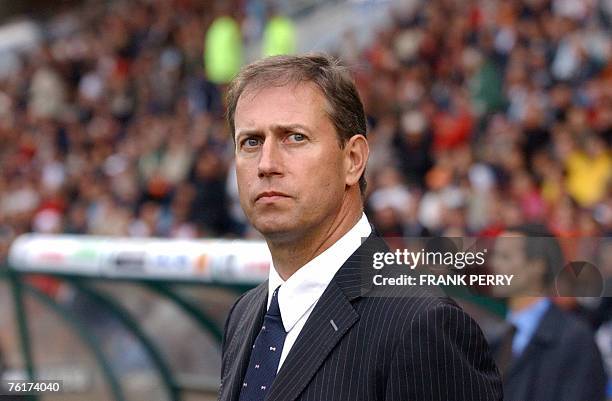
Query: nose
{"type": "Point", "coordinates": [270, 159]}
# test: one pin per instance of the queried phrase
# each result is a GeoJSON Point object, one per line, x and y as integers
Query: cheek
{"type": "Point", "coordinates": [330, 166]}
{"type": "Point", "coordinates": [243, 181]}
{"type": "Point", "coordinates": [324, 177]}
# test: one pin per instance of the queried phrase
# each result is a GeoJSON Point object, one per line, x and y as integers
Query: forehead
{"type": "Point", "coordinates": [302, 103]}
{"type": "Point", "coordinates": [510, 242]}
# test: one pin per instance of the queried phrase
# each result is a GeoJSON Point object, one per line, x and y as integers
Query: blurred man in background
{"type": "Point", "coordinates": [554, 355]}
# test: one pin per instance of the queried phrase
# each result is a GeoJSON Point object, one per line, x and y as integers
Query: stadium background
{"type": "Point", "coordinates": [482, 114]}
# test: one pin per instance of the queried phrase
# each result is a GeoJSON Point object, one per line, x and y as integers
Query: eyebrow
{"type": "Point", "coordinates": [275, 128]}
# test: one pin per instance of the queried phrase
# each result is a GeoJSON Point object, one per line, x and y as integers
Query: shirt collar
{"type": "Point", "coordinates": [526, 320]}
{"type": "Point", "coordinates": [300, 292]}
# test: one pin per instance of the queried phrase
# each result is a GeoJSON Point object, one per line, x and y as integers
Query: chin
{"type": "Point", "coordinates": [274, 228]}
{"type": "Point", "coordinates": [278, 232]}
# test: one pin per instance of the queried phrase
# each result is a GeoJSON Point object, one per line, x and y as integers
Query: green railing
{"type": "Point", "coordinates": [204, 264]}
{"type": "Point", "coordinates": [21, 288]}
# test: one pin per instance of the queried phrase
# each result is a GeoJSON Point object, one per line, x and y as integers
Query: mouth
{"type": "Point", "coordinates": [270, 196]}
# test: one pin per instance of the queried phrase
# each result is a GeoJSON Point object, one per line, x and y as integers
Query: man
{"type": "Point", "coordinates": [311, 332]}
{"type": "Point", "coordinates": [554, 355]}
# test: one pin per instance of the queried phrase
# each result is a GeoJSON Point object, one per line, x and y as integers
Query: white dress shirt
{"type": "Point", "coordinates": [298, 295]}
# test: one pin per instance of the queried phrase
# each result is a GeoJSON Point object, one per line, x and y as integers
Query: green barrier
{"type": "Point", "coordinates": [78, 327]}
{"type": "Point", "coordinates": [205, 322]}
{"type": "Point", "coordinates": [132, 325]}
{"type": "Point", "coordinates": [154, 264]}
{"type": "Point", "coordinates": [173, 388]}
{"type": "Point", "coordinates": [22, 324]}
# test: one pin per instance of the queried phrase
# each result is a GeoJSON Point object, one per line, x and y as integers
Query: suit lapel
{"type": "Point", "coordinates": [332, 317]}
{"type": "Point", "coordinates": [244, 337]}
{"type": "Point", "coordinates": [330, 320]}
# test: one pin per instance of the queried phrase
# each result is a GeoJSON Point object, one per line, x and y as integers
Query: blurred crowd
{"type": "Point", "coordinates": [488, 114]}
{"type": "Point", "coordinates": [482, 114]}
{"type": "Point", "coordinates": [112, 128]}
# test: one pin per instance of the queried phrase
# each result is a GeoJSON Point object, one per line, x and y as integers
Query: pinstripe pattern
{"type": "Point", "coordinates": [418, 347]}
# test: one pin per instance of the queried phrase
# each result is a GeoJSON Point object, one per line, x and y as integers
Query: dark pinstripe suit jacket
{"type": "Point", "coordinates": [409, 348]}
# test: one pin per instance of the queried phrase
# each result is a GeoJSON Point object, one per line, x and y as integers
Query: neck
{"type": "Point", "coordinates": [520, 303]}
{"type": "Point", "coordinates": [289, 257]}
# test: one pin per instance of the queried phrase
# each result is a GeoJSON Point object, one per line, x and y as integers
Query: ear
{"type": "Point", "coordinates": [356, 152]}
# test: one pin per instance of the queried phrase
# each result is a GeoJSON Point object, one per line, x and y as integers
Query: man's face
{"type": "Point", "coordinates": [509, 258]}
{"type": "Point", "coordinates": [289, 164]}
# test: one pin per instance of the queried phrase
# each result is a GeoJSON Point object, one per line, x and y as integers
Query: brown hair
{"type": "Point", "coordinates": [344, 106]}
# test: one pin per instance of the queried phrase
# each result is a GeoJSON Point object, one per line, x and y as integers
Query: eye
{"type": "Point", "coordinates": [251, 142]}
{"type": "Point", "coordinates": [297, 137]}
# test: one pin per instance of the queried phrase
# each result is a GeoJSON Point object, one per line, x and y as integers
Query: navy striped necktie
{"type": "Point", "coordinates": [265, 355]}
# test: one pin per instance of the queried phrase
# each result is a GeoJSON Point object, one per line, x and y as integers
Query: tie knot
{"type": "Point", "coordinates": [274, 309]}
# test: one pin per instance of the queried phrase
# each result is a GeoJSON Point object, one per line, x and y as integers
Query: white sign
{"type": "Point", "coordinates": [212, 261]}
